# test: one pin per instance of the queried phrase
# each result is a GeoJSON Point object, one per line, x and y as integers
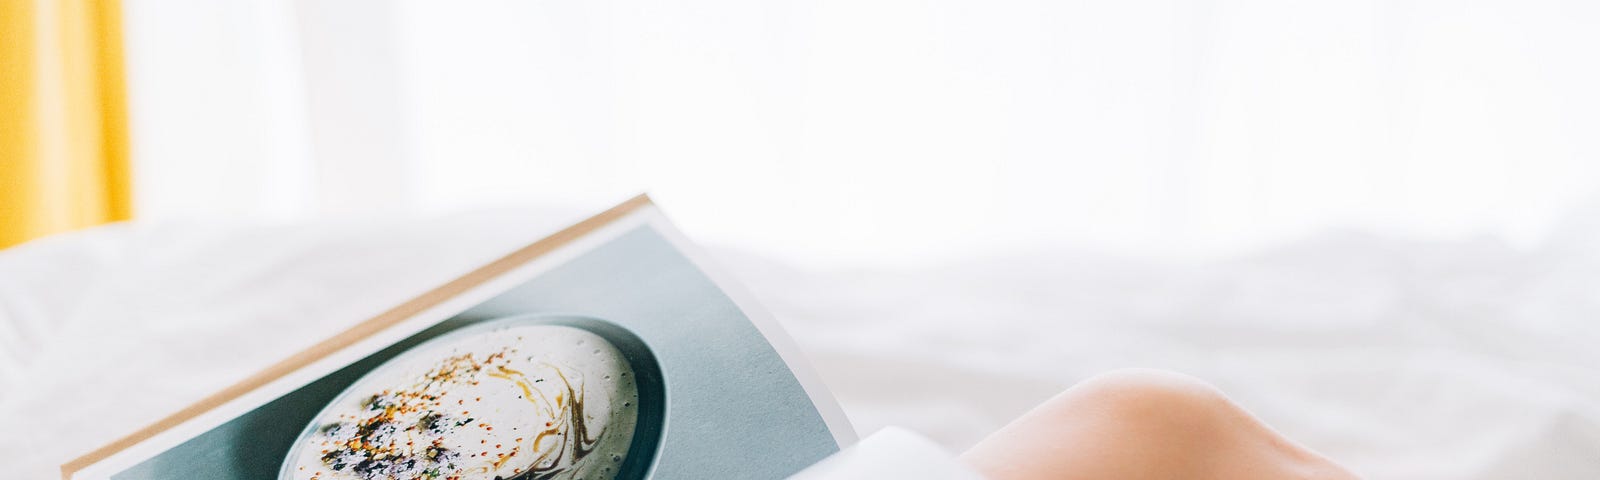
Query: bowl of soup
{"type": "Point", "coordinates": [556, 397]}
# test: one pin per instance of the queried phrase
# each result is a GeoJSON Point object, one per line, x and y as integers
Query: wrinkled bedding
{"type": "Point", "coordinates": [1403, 359]}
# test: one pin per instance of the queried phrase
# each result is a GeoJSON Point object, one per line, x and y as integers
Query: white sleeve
{"type": "Point", "coordinates": [892, 453]}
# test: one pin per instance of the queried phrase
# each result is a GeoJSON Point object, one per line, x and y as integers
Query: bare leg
{"type": "Point", "coordinates": [1144, 424]}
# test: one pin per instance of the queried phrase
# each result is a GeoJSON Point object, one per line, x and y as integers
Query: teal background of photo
{"type": "Point", "coordinates": [734, 410]}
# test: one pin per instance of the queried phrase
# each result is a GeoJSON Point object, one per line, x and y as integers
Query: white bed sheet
{"type": "Point", "coordinates": [1402, 359]}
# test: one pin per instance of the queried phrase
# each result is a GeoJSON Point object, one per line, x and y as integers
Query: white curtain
{"type": "Point", "coordinates": [876, 131]}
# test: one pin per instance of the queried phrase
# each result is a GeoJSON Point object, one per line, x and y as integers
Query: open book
{"type": "Point", "coordinates": [609, 350]}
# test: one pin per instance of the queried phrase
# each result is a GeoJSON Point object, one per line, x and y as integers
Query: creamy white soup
{"type": "Point", "coordinates": [541, 401]}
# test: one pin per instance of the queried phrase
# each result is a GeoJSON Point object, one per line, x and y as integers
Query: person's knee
{"type": "Point", "coordinates": [1139, 423]}
{"type": "Point", "coordinates": [1188, 421]}
{"type": "Point", "coordinates": [1156, 385]}
{"type": "Point", "coordinates": [1130, 423]}
{"type": "Point", "coordinates": [1149, 399]}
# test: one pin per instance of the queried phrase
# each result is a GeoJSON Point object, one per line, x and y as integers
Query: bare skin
{"type": "Point", "coordinates": [1144, 424]}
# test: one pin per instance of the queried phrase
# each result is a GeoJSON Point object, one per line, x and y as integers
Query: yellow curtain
{"type": "Point", "coordinates": [63, 130]}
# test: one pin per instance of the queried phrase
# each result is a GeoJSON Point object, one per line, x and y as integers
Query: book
{"type": "Point", "coordinates": [612, 349]}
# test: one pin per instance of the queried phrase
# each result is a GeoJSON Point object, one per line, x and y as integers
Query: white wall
{"type": "Point", "coordinates": [217, 110]}
{"type": "Point", "coordinates": [888, 130]}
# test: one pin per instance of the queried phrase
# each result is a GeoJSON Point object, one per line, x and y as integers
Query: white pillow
{"type": "Point", "coordinates": [41, 283]}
